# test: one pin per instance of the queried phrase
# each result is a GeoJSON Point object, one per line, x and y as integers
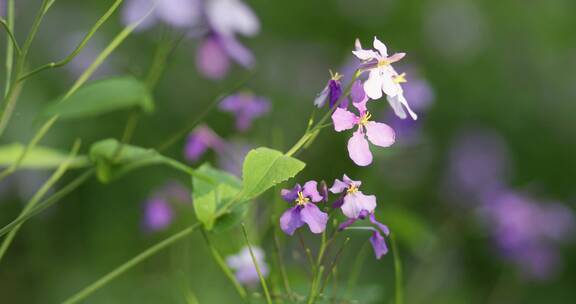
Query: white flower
{"type": "Point", "coordinates": [382, 76]}
{"type": "Point", "coordinates": [228, 17]}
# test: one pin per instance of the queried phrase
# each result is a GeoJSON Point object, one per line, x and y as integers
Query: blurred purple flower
{"type": "Point", "coordinates": [377, 240]}
{"type": "Point", "coordinates": [176, 13]}
{"type": "Point", "coordinates": [527, 232]}
{"type": "Point", "coordinates": [232, 157]}
{"type": "Point", "coordinates": [200, 140]}
{"type": "Point", "coordinates": [230, 17]}
{"type": "Point", "coordinates": [379, 134]}
{"type": "Point", "coordinates": [331, 92]}
{"type": "Point", "coordinates": [214, 54]}
{"type": "Point", "coordinates": [305, 210]}
{"type": "Point", "coordinates": [157, 214]}
{"type": "Point", "coordinates": [246, 107]}
{"type": "Point", "coordinates": [353, 202]}
{"type": "Point", "coordinates": [244, 268]}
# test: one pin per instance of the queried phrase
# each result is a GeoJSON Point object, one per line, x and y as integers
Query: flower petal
{"type": "Point", "coordinates": [355, 203]}
{"type": "Point", "coordinates": [396, 57]}
{"type": "Point", "coordinates": [350, 181]}
{"type": "Point", "coordinates": [237, 51]}
{"type": "Point", "coordinates": [347, 223]}
{"type": "Point", "coordinates": [382, 49]}
{"type": "Point", "coordinates": [179, 13]}
{"type": "Point", "coordinates": [357, 92]}
{"type": "Point", "coordinates": [291, 220]}
{"type": "Point", "coordinates": [310, 190]}
{"type": "Point", "coordinates": [398, 103]}
{"type": "Point", "coordinates": [378, 244]}
{"type": "Point", "coordinates": [343, 120]}
{"type": "Point", "coordinates": [320, 99]}
{"type": "Point", "coordinates": [315, 218]}
{"type": "Point", "coordinates": [365, 54]}
{"type": "Point", "coordinates": [290, 195]}
{"type": "Point", "coordinates": [228, 17]}
{"type": "Point", "coordinates": [373, 85]}
{"type": "Point", "coordinates": [382, 227]}
{"type": "Point", "coordinates": [387, 83]}
{"type": "Point", "coordinates": [359, 150]}
{"type": "Point", "coordinates": [211, 58]}
{"type": "Point", "coordinates": [338, 187]}
{"type": "Point", "coordinates": [380, 134]}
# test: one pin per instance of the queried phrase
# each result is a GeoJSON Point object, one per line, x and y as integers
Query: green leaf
{"type": "Point", "coordinates": [211, 190]}
{"type": "Point", "coordinates": [38, 157]}
{"type": "Point", "coordinates": [113, 159]}
{"type": "Point", "coordinates": [263, 168]}
{"type": "Point", "coordinates": [103, 96]}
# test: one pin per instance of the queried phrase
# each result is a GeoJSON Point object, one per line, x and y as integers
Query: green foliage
{"type": "Point", "coordinates": [38, 157]}
{"type": "Point", "coordinates": [104, 96]}
{"type": "Point", "coordinates": [264, 168]}
{"type": "Point", "coordinates": [211, 192]}
{"type": "Point", "coordinates": [112, 158]}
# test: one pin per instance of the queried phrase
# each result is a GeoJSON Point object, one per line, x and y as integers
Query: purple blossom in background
{"type": "Point", "coordinates": [379, 134]}
{"type": "Point", "coordinates": [244, 268]}
{"type": "Point", "coordinates": [478, 163]}
{"type": "Point", "coordinates": [377, 240]}
{"type": "Point", "coordinates": [157, 214]}
{"type": "Point", "coordinates": [246, 107]}
{"type": "Point", "coordinates": [331, 92]}
{"type": "Point", "coordinates": [231, 158]}
{"type": "Point", "coordinates": [305, 210]}
{"type": "Point", "coordinates": [353, 202]}
{"type": "Point", "coordinates": [200, 140]}
{"type": "Point", "coordinates": [225, 19]}
{"type": "Point", "coordinates": [176, 13]}
{"type": "Point", "coordinates": [528, 232]}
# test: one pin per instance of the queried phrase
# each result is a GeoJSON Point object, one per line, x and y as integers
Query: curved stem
{"type": "Point", "coordinates": [39, 194]}
{"type": "Point", "coordinates": [398, 278]}
{"type": "Point", "coordinates": [8, 30]}
{"type": "Point", "coordinates": [262, 280]}
{"type": "Point", "coordinates": [9, 47]}
{"type": "Point", "coordinates": [78, 48]}
{"type": "Point", "coordinates": [82, 294]}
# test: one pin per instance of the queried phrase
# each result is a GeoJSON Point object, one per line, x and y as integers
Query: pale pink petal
{"type": "Point", "coordinates": [357, 44]}
{"type": "Point", "coordinates": [355, 202]}
{"type": "Point", "coordinates": [373, 85]}
{"type": "Point", "coordinates": [359, 150]}
{"type": "Point", "coordinates": [396, 57]}
{"type": "Point", "coordinates": [398, 103]}
{"type": "Point", "coordinates": [380, 134]}
{"type": "Point", "coordinates": [389, 87]}
{"type": "Point", "coordinates": [343, 120]}
{"type": "Point", "coordinates": [380, 47]}
{"type": "Point", "coordinates": [338, 187]}
{"type": "Point", "coordinates": [228, 17]}
{"type": "Point", "coordinates": [315, 218]}
{"type": "Point", "coordinates": [365, 54]}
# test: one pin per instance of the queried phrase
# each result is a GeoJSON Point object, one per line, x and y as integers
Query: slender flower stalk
{"type": "Point", "coordinates": [258, 269]}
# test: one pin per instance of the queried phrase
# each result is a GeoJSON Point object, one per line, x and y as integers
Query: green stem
{"type": "Point", "coordinates": [82, 294]}
{"type": "Point", "coordinates": [48, 202]}
{"type": "Point", "coordinates": [79, 82]}
{"type": "Point", "coordinates": [399, 290]}
{"type": "Point", "coordinates": [11, 37]}
{"type": "Point", "coordinates": [314, 287]}
{"type": "Point", "coordinates": [222, 264]}
{"type": "Point", "coordinates": [262, 280]}
{"type": "Point", "coordinates": [355, 271]}
{"type": "Point", "coordinates": [39, 194]}
{"type": "Point", "coordinates": [9, 47]}
{"type": "Point", "coordinates": [281, 267]}
{"type": "Point", "coordinates": [78, 48]}
{"type": "Point", "coordinates": [334, 263]}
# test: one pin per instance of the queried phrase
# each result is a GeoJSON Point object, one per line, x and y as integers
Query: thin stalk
{"type": "Point", "coordinates": [39, 194]}
{"type": "Point", "coordinates": [308, 253]}
{"type": "Point", "coordinates": [9, 47]}
{"type": "Point", "coordinates": [281, 267]}
{"type": "Point", "coordinates": [334, 263]}
{"type": "Point", "coordinates": [262, 280]}
{"type": "Point", "coordinates": [79, 82]}
{"type": "Point", "coordinates": [79, 47]}
{"type": "Point", "coordinates": [48, 202]}
{"type": "Point", "coordinates": [355, 271]}
{"type": "Point", "coordinates": [11, 37]}
{"type": "Point", "coordinates": [398, 277]}
{"type": "Point", "coordinates": [314, 287]}
{"type": "Point", "coordinates": [222, 264]}
{"type": "Point", "coordinates": [82, 294]}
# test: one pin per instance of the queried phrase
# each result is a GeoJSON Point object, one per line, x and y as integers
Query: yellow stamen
{"type": "Point", "coordinates": [365, 118]}
{"type": "Point", "coordinates": [352, 188]}
{"type": "Point", "coordinates": [335, 76]}
{"type": "Point", "coordinates": [301, 200]}
{"type": "Point", "coordinates": [400, 78]}
{"type": "Point", "coordinates": [383, 62]}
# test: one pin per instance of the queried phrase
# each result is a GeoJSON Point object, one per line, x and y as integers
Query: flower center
{"type": "Point", "coordinates": [383, 62]}
{"type": "Point", "coordinates": [335, 76]}
{"type": "Point", "coordinates": [301, 200]}
{"type": "Point", "coordinates": [400, 78]}
{"type": "Point", "coordinates": [365, 118]}
{"type": "Point", "coordinates": [352, 189]}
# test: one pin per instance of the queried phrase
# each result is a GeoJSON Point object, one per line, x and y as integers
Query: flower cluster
{"type": "Point", "coordinates": [354, 205]}
{"type": "Point", "coordinates": [215, 22]}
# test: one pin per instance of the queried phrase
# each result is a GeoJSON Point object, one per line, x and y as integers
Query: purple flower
{"type": "Point", "coordinates": [215, 52]}
{"type": "Point", "coordinates": [230, 17]}
{"type": "Point", "coordinates": [232, 156]}
{"type": "Point", "coordinates": [379, 134]}
{"type": "Point", "coordinates": [246, 107]}
{"type": "Point", "coordinates": [353, 202]}
{"type": "Point", "coordinates": [176, 13]}
{"type": "Point", "coordinates": [157, 214]}
{"type": "Point", "coordinates": [199, 140]}
{"type": "Point", "coordinates": [332, 91]}
{"type": "Point", "coordinates": [377, 240]}
{"type": "Point", "coordinates": [244, 268]}
{"type": "Point", "coordinates": [305, 210]}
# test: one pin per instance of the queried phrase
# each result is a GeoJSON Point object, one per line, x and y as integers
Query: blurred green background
{"type": "Point", "coordinates": [507, 66]}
